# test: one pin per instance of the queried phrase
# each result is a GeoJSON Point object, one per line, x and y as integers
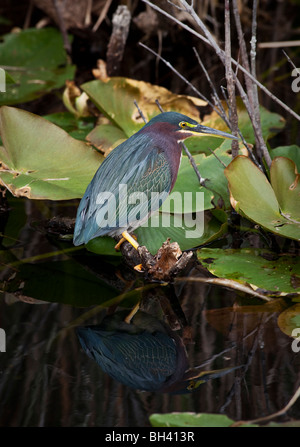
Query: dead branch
{"type": "Point", "coordinates": [233, 117]}
{"type": "Point", "coordinates": [221, 54]}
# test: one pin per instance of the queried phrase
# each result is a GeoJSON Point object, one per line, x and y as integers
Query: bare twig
{"type": "Point", "coordinates": [291, 62]}
{"type": "Point", "coordinates": [140, 111]}
{"type": "Point", "coordinates": [280, 44]}
{"type": "Point", "coordinates": [243, 50]}
{"type": "Point", "coordinates": [194, 165]}
{"type": "Point", "coordinates": [102, 15]}
{"type": "Point", "coordinates": [218, 109]}
{"type": "Point", "coordinates": [28, 15]}
{"type": "Point", "coordinates": [180, 76]}
{"type": "Point", "coordinates": [230, 82]}
{"type": "Point", "coordinates": [273, 415]}
{"type": "Point", "coordinates": [221, 54]}
{"type": "Point", "coordinates": [62, 25]}
{"type": "Point", "coordinates": [159, 106]}
{"type": "Point", "coordinates": [226, 283]}
{"type": "Point", "coordinates": [215, 95]}
{"type": "Point", "coordinates": [260, 144]}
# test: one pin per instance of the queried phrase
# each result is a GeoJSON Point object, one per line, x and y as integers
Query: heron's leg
{"type": "Point", "coordinates": [132, 313]}
{"type": "Point", "coordinates": [127, 237]}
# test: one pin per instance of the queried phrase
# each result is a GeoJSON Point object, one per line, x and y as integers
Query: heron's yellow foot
{"type": "Point", "coordinates": [127, 237]}
{"type": "Point", "coordinates": [138, 267]}
{"type": "Point", "coordinates": [132, 313]}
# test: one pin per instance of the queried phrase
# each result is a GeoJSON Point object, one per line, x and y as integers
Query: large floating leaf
{"type": "Point", "coordinates": [41, 161]}
{"type": "Point", "coordinates": [253, 196]}
{"type": "Point", "coordinates": [292, 152]}
{"type": "Point", "coordinates": [191, 420]}
{"type": "Point", "coordinates": [258, 267]}
{"type": "Point", "coordinates": [115, 98]}
{"type": "Point", "coordinates": [60, 282]}
{"type": "Point", "coordinates": [76, 127]}
{"type": "Point", "coordinates": [37, 61]}
{"type": "Point", "coordinates": [285, 181]}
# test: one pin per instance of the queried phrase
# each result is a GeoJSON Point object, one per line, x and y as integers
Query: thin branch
{"type": "Point", "coordinates": [220, 53]}
{"type": "Point", "coordinates": [286, 43]}
{"type": "Point", "coordinates": [102, 15]}
{"type": "Point", "coordinates": [140, 111]}
{"type": "Point", "coordinates": [220, 111]}
{"type": "Point", "coordinates": [159, 106]}
{"type": "Point", "coordinates": [219, 159]}
{"type": "Point", "coordinates": [260, 144]}
{"type": "Point", "coordinates": [273, 415]}
{"type": "Point", "coordinates": [230, 82]}
{"type": "Point", "coordinates": [62, 25]}
{"type": "Point", "coordinates": [180, 76]}
{"type": "Point", "coordinates": [291, 62]}
{"type": "Point", "coordinates": [194, 165]}
{"type": "Point", "coordinates": [226, 283]}
{"type": "Point", "coordinates": [243, 50]}
{"type": "Point", "coordinates": [215, 93]}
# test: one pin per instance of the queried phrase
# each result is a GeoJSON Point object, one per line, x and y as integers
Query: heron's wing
{"type": "Point", "coordinates": [105, 207]}
{"type": "Point", "coordinates": [142, 361]}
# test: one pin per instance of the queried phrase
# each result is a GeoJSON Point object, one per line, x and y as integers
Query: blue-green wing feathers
{"type": "Point", "coordinates": [105, 207]}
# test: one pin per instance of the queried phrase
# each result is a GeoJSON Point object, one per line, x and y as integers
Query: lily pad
{"type": "Point", "coordinates": [41, 161]}
{"type": "Point", "coordinates": [106, 136]}
{"type": "Point", "coordinates": [253, 196]}
{"type": "Point", "coordinates": [285, 181]}
{"type": "Point", "coordinates": [211, 168]}
{"type": "Point", "coordinates": [49, 281]}
{"type": "Point", "coordinates": [292, 152]}
{"type": "Point", "coordinates": [38, 64]}
{"type": "Point", "coordinates": [191, 420]}
{"type": "Point", "coordinates": [115, 98]}
{"type": "Point", "coordinates": [257, 267]}
{"type": "Point", "coordinates": [77, 128]}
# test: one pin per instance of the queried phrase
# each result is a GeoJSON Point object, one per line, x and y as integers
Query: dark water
{"type": "Point", "coordinates": [47, 380]}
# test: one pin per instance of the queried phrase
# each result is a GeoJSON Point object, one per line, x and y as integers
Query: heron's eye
{"type": "Point", "coordinates": [183, 124]}
{"type": "Point", "coordinates": [191, 385]}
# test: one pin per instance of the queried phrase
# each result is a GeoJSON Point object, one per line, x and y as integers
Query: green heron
{"type": "Point", "coordinates": [143, 168]}
{"type": "Point", "coordinates": [144, 355]}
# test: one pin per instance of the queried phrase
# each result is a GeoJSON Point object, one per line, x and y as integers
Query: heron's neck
{"type": "Point", "coordinates": [166, 141]}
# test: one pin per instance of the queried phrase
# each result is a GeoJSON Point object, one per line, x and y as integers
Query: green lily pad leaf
{"type": "Point", "coordinates": [191, 420]}
{"type": "Point", "coordinates": [106, 136]}
{"type": "Point", "coordinates": [188, 189]}
{"type": "Point", "coordinates": [257, 267]}
{"type": "Point", "coordinates": [37, 61]}
{"type": "Point", "coordinates": [289, 322]}
{"type": "Point", "coordinates": [41, 161]}
{"type": "Point", "coordinates": [292, 152]}
{"type": "Point", "coordinates": [212, 169]}
{"type": "Point", "coordinates": [9, 79]}
{"type": "Point", "coordinates": [252, 195]}
{"type": "Point", "coordinates": [77, 128]}
{"type": "Point", "coordinates": [285, 181]}
{"type": "Point", "coordinates": [115, 98]}
{"type": "Point", "coordinates": [52, 282]}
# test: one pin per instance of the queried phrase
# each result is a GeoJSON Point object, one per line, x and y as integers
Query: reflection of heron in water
{"type": "Point", "coordinates": [144, 354]}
